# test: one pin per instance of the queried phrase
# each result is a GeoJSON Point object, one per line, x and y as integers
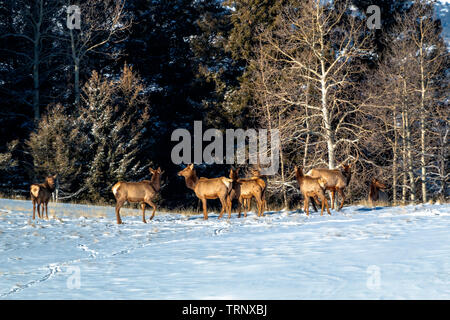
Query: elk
{"type": "Point", "coordinates": [311, 188]}
{"type": "Point", "coordinates": [206, 188]}
{"type": "Point", "coordinates": [246, 189]}
{"type": "Point", "coordinates": [40, 194]}
{"type": "Point", "coordinates": [335, 180]}
{"type": "Point", "coordinates": [375, 193]}
{"type": "Point", "coordinates": [262, 181]}
{"type": "Point", "coordinates": [143, 191]}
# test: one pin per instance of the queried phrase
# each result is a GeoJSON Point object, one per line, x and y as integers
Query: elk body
{"type": "Point", "coordinates": [40, 194]}
{"type": "Point", "coordinates": [143, 191]}
{"type": "Point", "coordinates": [206, 188]}
{"type": "Point", "coordinates": [262, 181]}
{"type": "Point", "coordinates": [375, 193]}
{"type": "Point", "coordinates": [335, 180]}
{"type": "Point", "coordinates": [245, 190]}
{"type": "Point", "coordinates": [311, 188]}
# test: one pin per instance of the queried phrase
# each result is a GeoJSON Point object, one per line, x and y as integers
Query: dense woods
{"type": "Point", "coordinates": [98, 104]}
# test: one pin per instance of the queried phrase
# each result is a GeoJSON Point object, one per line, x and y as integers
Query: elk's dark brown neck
{"type": "Point", "coordinates": [348, 175]}
{"type": "Point", "coordinates": [49, 187]}
{"type": "Point", "coordinates": [373, 193]}
{"type": "Point", "coordinates": [299, 175]}
{"type": "Point", "coordinates": [191, 180]}
{"type": "Point", "coordinates": [156, 182]}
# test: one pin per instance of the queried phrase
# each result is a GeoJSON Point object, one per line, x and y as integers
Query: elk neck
{"type": "Point", "coordinates": [373, 193]}
{"type": "Point", "coordinates": [49, 187]}
{"type": "Point", "coordinates": [191, 180]}
{"type": "Point", "coordinates": [156, 182]}
{"type": "Point", "coordinates": [348, 175]}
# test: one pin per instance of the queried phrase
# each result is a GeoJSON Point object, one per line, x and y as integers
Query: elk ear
{"type": "Point", "coordinates": [151, 170]}
{"type": "Point", "coordinates": [191, 166]}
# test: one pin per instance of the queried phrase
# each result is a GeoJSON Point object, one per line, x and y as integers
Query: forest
{"type": "Point", "coordinates": [96, 103]}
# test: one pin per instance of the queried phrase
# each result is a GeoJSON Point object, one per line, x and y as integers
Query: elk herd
{"type": "Point", "coordinates": [313, 186]}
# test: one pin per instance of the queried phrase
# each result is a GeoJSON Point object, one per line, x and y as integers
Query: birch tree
{"type": "Point", "coordinates": [102, 22]}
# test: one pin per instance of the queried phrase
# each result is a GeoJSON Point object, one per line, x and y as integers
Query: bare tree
{"type": "Point", "coordinates": [102, 22]}
{"type": "Point", "coordinates": [36, 27]}
{"type": "Point", "coordinates": [304, 74]}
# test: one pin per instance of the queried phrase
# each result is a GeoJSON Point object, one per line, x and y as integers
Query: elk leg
{"type": "Point", "coordinates": [307, 205]}
{"type": "Point", "coordinates": [332, 192]}
{"type": "Point", "coordinates": [151, 204]}
{"type": "Point", "coordinates": [224, 206]}
{"type": "Point", "coordinates": [258, 199]}
{"type": "Point", "coordinates": [240, 204]}
{"type": "Point", "coordinates": [143, 212]}
{"type": "Point", "coordinates": [324, 201]}
{"type": "Point", "coordinates": [34, 209]}
{"type": "Point", "coordinates": [248, 209]}
{"type": "Point", "coordinates": [341, 192]}
{"type": "Point", "coordinates": [119, 205]}
{"type": "Point", "coordinates": [205, 213]}
{"type": "Point", "coordinates": [46, 210]}
{"type": "Point", "coordinates": [39, 210]}
{"type": "Point", "coordinates": [229, 206]}
{"type": "Point", "coordinates": [259, 205]}
{"type": "Point", "coordinates": [316, 199]}
{"type": "Point", "coordinates": [314, 203]}
{"type": "Point", "coordinates": [262, 208]}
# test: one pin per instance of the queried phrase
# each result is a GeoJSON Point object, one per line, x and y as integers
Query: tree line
{"type": "Point", "coordinates": [98, 104]}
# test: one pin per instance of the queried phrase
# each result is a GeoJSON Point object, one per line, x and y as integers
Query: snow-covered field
{"type": "Point", "coordinates": [358, 253]}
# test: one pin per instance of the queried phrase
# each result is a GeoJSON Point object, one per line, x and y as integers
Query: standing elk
{"type": "Point", "coordinates": [311, 188]}
{"type": "Point", "coordinates": [143, 191]}
{"type": "Point", "coordinates": [375, 193]}
{"type": "Point", "coordinates": [262, 181]}
{"type": "Point", "coordinates": [206, 188]}
{"type": "Point", "coordinates": [245, 190]}
{"type": "Point", "coordinates": [40, 194]}
{"type": "Point", "coordinates": [335, 180]}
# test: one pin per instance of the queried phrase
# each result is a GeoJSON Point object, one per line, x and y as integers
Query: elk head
{"type": "Point", "coordinates": [378, 184]}
{"type": "Point", "coordinates": [234, 174]}
{"type": "Point", "coordinates": [51, 181]}
{"type": "Point", "coordinates": [187, 172]}
{"type": "Point", "coordinates": [157, 171]}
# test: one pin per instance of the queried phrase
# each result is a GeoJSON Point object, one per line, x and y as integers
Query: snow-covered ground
{"type": "Point", "coordinates": [358, 253]}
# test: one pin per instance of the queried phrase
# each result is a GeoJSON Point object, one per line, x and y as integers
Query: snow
{"type": "Point", "coordinates": [358, 253]}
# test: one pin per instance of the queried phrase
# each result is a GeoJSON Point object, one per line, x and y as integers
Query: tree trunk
{"type": "Point", "coordinates": [283, 178]}
{"type": "Point", "coordinates": [76, 69]}
{"type": "Point", "coordinates": [36, 111]}
{"type": "Point", "coordinates": [328, 131]}
{"type": "Point", "coordinates": [395, 160]}
{"type": "Point", "coordinates": [36, 60]}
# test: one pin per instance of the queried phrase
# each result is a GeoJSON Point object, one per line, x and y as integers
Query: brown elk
{"type": "Point", "coordinates": [206, 188]}
{"type": "Point", "coordinates": [335, 180]}
{"type": "Point", "coordinates": [262, 181]}
{"type": "Point", "coordinates": [40, 194]}
{"type": "Point", "coordinates": [375, 193]}
{"type": "Point", "coordinates": [311, 188]}
{"type": "Point", "coordinates": [143, 191]}
{"type": "Point", "coordinates": [245, 189]}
